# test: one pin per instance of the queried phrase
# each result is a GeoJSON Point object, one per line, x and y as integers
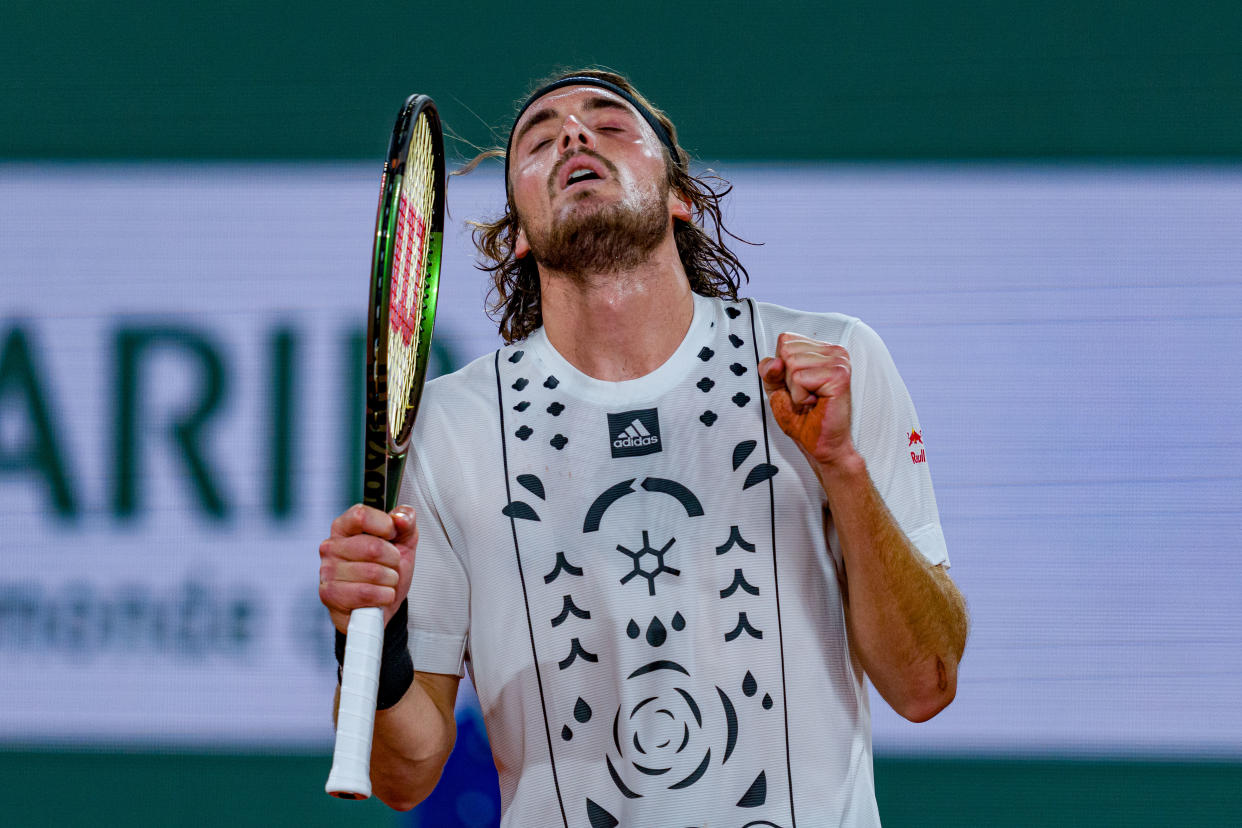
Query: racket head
{"type": "Point", "coordinates": [404, 286]}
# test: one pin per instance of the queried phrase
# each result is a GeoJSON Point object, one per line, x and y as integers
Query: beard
{"type": "Point", "coordinates": [610, 239]}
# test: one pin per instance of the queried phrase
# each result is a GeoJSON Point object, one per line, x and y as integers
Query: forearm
{"type": "Point", "coordinates": [906, 620]}
{"type": "Point", "coordinates": [412, 742]}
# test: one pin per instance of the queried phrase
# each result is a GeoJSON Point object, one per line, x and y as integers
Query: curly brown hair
{"type": "Point", "coordinates": [712, 268]}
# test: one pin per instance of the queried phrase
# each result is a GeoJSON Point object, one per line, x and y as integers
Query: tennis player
{"type": "Point", "coordinates": [671, 533]}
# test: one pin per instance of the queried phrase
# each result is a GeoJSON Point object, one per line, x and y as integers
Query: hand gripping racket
{"type": "Point", "coordinates": [405, 274]}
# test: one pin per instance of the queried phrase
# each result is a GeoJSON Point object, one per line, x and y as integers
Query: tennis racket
{"type": "Point", "coordinates": [405, 274]}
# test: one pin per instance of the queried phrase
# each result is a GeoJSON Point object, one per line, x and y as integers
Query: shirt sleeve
{"type": "Point", "coordinates": [887, 433]}
{"type": "Point", "coordinates": [439, 594]}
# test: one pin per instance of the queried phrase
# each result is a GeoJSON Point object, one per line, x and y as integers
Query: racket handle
{"type": "Point", "coordinates": [350, 777]}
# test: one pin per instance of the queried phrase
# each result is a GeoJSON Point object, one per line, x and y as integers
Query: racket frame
{"type": "Point", "coordinates": [385, 452]}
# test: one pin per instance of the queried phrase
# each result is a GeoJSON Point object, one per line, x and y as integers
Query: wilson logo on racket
{"type": "Point", "coordinates": [410, 258]}
{"type": "Point", "coordinates": [635, 433]}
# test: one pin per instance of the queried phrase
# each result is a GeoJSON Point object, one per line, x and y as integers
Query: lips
{"type": "Point", "coordinates": [579, 169]}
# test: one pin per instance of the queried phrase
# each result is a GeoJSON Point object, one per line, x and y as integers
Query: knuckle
{"type": "Point", "coordinates": [374, 595]}
{"type": "Point", "coordinates": [377, 574]}
{"type": "Point", "coordinates": [383, 552]}
{"type": "Point", "coordinates": [371, 548]}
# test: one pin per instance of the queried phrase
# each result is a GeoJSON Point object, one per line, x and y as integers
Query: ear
{"type": "Point", "coordinates": [678, 206]}
{"type": "Point", "coordinates": [521, 247]}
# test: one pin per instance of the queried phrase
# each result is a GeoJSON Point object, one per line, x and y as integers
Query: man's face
{"type": "Point", "coordinates": [589, 182]}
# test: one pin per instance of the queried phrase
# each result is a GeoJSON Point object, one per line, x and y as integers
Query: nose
{"type": "Point", "coordinates": [575, 135]}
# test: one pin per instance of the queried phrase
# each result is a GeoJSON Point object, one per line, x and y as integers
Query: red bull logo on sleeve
{"type": "Point", "coordinates": [916, 438]}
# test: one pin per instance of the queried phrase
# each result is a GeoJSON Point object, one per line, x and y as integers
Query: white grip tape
{"type": "Point", "coordinates": [355, 718]}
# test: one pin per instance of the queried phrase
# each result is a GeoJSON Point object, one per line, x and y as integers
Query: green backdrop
{"type": "Point", "coordinates": [794, 80]}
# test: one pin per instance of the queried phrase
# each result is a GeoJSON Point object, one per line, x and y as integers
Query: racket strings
{"type": "Point", "coordinates": [409, 268]}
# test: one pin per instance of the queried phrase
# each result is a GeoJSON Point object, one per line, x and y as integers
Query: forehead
{"type": "Point", "coordinates": [568, 100]}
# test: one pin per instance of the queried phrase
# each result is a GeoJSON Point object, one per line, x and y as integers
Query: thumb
{"type": "Point", "coordinates": [407, 529]}
{"type": "Point", "coordinates": [772, 372]}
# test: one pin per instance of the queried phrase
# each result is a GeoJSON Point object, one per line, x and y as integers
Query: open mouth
{"type": "Point", "coordinates": [578, 176]}
{"type": "Point", "coordinates": [581, 169]}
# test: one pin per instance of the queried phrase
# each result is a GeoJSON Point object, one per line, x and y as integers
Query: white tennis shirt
{"type": "Point", "coordinates": [638, 576]}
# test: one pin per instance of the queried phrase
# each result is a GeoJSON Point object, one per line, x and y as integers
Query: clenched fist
{"type": "Point", "coordinates": [808, 386]}
{"type": "Point", "coordinates": [367, 561]}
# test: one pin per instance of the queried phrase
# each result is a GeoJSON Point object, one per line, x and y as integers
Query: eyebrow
{"type": "Point", "coordinates": [589, 105]}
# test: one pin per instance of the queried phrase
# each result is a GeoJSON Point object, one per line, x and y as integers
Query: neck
{"type": "Point", "coordinates": [619, 326]}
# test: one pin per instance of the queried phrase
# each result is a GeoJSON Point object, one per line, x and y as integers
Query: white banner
{"type": "Point", "coordinates": [178, 353]}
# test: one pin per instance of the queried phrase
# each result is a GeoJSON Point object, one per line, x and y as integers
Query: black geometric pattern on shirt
{"type": "Point", "coordinates": [595, 513]}
{"type": "Point", "coordinates": [739, 582]}
{"type": "Point", "coordinates": [708, 417]}
{"type": "Point", "coordinates": [653, 760]}
{"type": "Point", "coordinates": [562, 565]}
{"type": "Point", "coordinates": [758, 474]}
{"type": "Point", "coordinates": [731, 725]}
{"type": "Point", "coordinates": [636, 557]}
{"type": "Point", "coordinates": [740, 399]}
{"type": "Point", "coordinates": [738, 369]}
{"type": "Point", "coordinates": [521, 383]}
{"type": "Point", "coordinates": [532, 484]}
{"type": "Point", "coordinates": [515, 356]}
{"type": "Point", "coordinates": [558, 442]}
{"type": "Point", "coordinates": [756, 794]}
{"type": "Point", "coordinates": [598, 817]}
{"type": "Point", "coordinates": [576, 651]}
{"type": "Point", "coordinates": [551, 382]}
{"type": "Point", "coordinates": [736, 340]}
{"type": "Point", "coordinates": [524, 432]}
{"type": "Point", "coordinates": [728, 739]}
{"type": "Point", "coordinates": [750, 687]}
{"type": "Point", "coordinates": [735, 539]}
{"type": "Point", "coordinates": [683, 495]}
{"type": "Point", "coordinates": [555, 409]}
{"type": "Point", "coordinates": [743, 626]}
{"type": "Point", "coordinates": [657, 633]}
{"type": "Point", "coordinates": [519, 510]}
{"type": "Point", "coordinates": [741, 451]}
{"type": "Point", "coordinates": [582, 714]}
{"type": "Point", "coordinates": [569, 608]}
{"type": "Point", "coordinates": [522, 406]}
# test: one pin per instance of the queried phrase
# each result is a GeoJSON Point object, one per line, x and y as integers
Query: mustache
{"type": "Point", "coordinates": [556, 168]}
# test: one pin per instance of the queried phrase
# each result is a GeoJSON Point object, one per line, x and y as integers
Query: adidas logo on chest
{"type": "Point", "coordinates": [635, 433]}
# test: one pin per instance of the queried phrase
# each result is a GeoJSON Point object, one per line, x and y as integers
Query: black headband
{"type": "Point", "coordinates": [587, 80]}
